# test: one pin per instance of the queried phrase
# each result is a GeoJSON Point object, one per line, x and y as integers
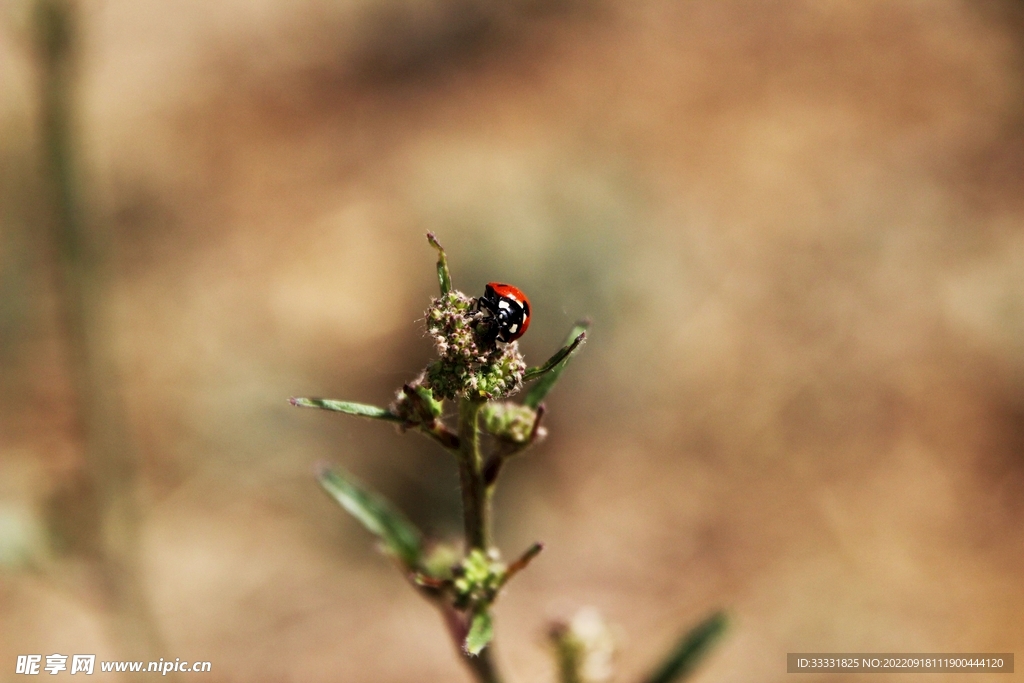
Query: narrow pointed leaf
{"type": "Point", "coordinates": [444, 278]}
{"type": "Point", "coordinates": [540, 390]}
{"type": "Point", "coordinates": [396, 532]}
{"type": "Point", "coordinates": [524, 560]}
{"type": "Point", "coordinates": [553, 362]}
{"type": "Point", "coordinates": [694, 645]}
{"type": "Point", "coordinates": [481, 631]}
{"type": "Point", "coordinates": [347, 407]}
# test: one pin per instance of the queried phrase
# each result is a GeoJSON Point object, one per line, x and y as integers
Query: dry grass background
{"type": "Point", "coordinates": [797, 226]}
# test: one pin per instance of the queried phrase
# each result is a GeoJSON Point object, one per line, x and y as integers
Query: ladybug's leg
{"type": "Point", "coordinates": [491, 322]}
{"type": "Point", "coordinates": [490, 332]}
{"type": "Point", "coordinates": [483, 303]}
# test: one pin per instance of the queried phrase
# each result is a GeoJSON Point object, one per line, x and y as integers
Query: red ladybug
{"type": "Point", "coordinates": [509, 312]}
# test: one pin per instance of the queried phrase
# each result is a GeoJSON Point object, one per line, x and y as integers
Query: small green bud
{"type": "Point", "coordinates": [439, 560]}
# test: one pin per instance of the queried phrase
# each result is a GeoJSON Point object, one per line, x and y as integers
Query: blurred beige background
{"type": "Point", "coordinates": [798, 227]}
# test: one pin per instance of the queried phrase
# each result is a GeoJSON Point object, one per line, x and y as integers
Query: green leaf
{"type": "Point", "coordinates": [481, 631]}
{"type": "Point", "coordinates": [444, 278]}
{"type": "Point", "coordinates": [694, 645]}
{"type": "Point", "coordinates": [347, 407]}
{"type": "Point", "coordinates": [540, 390]}
{"type": "Point", "coordinates": [553, 368]}
{"type": "Point", "coordinates": [396, 532]}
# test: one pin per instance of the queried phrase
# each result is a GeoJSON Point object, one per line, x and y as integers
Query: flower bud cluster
{"type": "Point", "coordinates": [478, 578]}
{"type": "Point", "coordinates": [510, 422]}
{"type": "Point", "coordinates": [466, 367]}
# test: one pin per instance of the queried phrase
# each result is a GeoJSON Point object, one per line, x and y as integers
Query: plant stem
{"type": "Point", "coordinates": [475, 501]}
{"type": "Point", "coordinates": [483, 666]}
{"type": "Point", "coordinates": [110, 534]}
{"type": "Point", "coordinates": [476, 511]}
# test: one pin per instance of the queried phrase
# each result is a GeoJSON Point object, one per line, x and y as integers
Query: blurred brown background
{"type": "Point", "coordinates": [798, 227]}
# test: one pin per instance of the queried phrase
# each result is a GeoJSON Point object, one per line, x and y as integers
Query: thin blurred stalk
{"type": "Point", "coordinates": [110, 461]}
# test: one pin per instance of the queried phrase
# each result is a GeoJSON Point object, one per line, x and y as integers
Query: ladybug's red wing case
{"type": "Point", "coordinates": [508, 291]}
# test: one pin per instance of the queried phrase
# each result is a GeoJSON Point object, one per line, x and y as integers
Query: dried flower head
{"type": "Point", "coordinates": [466, 366]}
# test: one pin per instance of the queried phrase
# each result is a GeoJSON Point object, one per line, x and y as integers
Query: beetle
{"type": "Point", "coordinates": [508, 312]}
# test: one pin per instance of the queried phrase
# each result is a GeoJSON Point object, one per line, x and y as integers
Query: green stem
{"type": "Point", "coordinates": [483, 666]}
{"type": "Point", "coordinates": [475, 501]}
{"type": "Point", "coordinates": [476, 511]}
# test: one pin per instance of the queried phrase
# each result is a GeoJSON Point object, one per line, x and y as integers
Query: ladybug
{"type": "Point", "coordinates": [508, 312]}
